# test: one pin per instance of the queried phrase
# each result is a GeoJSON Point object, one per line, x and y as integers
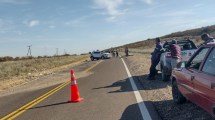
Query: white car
{"type": "Point", "coordinates": [188, 48]}
{"type": "Point", "coordinates": [99, 55]}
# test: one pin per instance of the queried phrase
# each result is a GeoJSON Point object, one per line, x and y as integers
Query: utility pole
{"type": "Point", "coordinates": [56, 51]}
{"type": "Point", "coordinates": [29, 51]}
{"type": "Point", "coordinates": [45, 51]}
{"type": "Point", "coordinates": [65, 51]}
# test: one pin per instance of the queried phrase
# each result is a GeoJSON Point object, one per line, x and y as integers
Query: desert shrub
{"type": "Point", "coordinates": [23, 67]}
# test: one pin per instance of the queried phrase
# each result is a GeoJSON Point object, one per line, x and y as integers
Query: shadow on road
{"type": "Point", "coordinates": [153, 84]}
{"type": "Point", "coordinates": [167, 109]}
{"type": "Point", "coordinates": [124, 86]}
{"type": "Point", "coordinates": [50, 105]}
{"type": "Point", "coordinates": [131, 113]}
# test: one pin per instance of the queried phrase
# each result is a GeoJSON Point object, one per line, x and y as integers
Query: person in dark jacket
{"type": "Point", "coordinates": [117, 54]}
{"type": "Point", "coordinates": [155, 59]}
{"type": "Point", "coordinates": [175, 51]}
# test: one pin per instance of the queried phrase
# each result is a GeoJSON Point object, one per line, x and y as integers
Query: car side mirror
{"type": "Point", "coordinates": [181, 65]}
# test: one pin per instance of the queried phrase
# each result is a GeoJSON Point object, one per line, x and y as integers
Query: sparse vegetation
{"type": "Point", "coordinates": [194, 34]}
{"type": "Point", "coordinates": [11, 69]}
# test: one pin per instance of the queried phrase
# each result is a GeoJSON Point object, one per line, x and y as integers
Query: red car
{"type": "Point", "coordinates": [195, 79]}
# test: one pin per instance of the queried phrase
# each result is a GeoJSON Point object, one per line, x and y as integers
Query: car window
{"type": "Point", "coordinates": [209, 66]}
{"type": "Point", "coordinates": [96, 52]}
{"type": "Point", "coordinates": [197, 60]}
{"type": "Point", "coordinates": [184, 45]}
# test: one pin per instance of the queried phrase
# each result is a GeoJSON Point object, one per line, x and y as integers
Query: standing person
{"type": "Point", "coordinates": [113, 53]}
{"type": "Point", "coordinates": [175, 51]}
{"type": "Point", "coordinates": [117, 54]}
{"type": "Point", "coordinates": [207, 39]}
{"type": "Point", "coordinates": [155, 59]}
{"type": "Point", "coordinates": [126, 51]}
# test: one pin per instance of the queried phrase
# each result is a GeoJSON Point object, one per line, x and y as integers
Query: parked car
{"type": "Point", "coordinates": [187, 50]}
{"type": "Point", "coordinates": [195, 80]}
{"type": "Point", "coordinates": [99, 55]}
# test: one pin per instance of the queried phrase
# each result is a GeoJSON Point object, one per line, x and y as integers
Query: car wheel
{"type": "Point", "coordinates": [103, 57]}
{"type": "Point", "coordinates": [164, 77]}
{"type": "Point", "coordinates": [92, 59]}
{"type": "Point", "coordinates": [176, 94]}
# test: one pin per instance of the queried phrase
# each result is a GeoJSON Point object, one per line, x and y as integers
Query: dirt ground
{"type": "Point", "coordinates": [159, 92]}
{"type": "Point", "coordinates": [62, 74]}
{"type": "Point", "coordinates": [14, 73]}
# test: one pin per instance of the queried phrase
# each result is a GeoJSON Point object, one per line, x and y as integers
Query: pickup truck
{"type": "Point", "coordinates": [99, 55]}
{"type": "Point", "coordinates": [188, 48]}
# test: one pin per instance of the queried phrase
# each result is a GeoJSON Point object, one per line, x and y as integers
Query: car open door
{"type": "Point", "coordinates": [204, 83]}
{"type": "Point", "coordinates": [192, 70]}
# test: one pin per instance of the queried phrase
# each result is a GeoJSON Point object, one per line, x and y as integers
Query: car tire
{"type": "Point", "coordinates": [102, 57]}
{"type": "Point", "coordinates": [176, 94]}
{"type": "Point", "coordinates": [164, 77]}
{"type": "Point", "coordinates": [92, 58]}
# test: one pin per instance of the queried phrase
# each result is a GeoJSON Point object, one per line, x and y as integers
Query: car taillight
{"type": "Point", "coordinates": [168, 55]}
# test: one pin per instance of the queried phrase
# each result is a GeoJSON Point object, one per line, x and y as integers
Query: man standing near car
{"type": "Point", "coordinates": [175, 51]}
{"type": "Point", "coordinates": [155, 59]}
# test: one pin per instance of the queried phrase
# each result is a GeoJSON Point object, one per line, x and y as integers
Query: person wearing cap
{"type": "Point", "coordinates": [175, 51]}
{"type": "Point", "coordinates": [207, 39]}
{"type": "Point", "coordinates": [155, 59]}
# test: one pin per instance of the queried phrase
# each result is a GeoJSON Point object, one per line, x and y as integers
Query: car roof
{"type": "Point", "coordinates": [179, 41]}
{"type": "Point", "coordinates": [209, 45]}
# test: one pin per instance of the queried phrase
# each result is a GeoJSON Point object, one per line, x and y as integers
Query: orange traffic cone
{"type": "Point", "coordinates": [75, 96]}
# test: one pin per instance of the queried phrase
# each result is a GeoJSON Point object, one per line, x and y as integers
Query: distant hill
{"type": "Point", "coordinates": [193, 34]}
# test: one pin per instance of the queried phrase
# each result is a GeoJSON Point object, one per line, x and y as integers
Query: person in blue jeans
{"type": "Point", "coordinates": [155, 59]}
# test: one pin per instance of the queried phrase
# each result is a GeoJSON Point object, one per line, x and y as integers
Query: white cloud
{"type": "Point", "coordinates": [111, 7]}
{"type": "Point", "coordinates": [52, 26]}
{"type": "Point", "coordinates": [176, 24]}
{"type": "Point", "coordinates": [32, 23]}
{"type": "Point", "coordinates": [147, 1]}
{"type": "Point", "coordinates": [172, 13]}
{"type": "Point", "coordinates": [14, 1]}
{"type": "Point", "coordinates": [78, 22]}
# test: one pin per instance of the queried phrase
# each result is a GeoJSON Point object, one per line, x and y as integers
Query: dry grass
{"type": "Point", "coordinates": [9, 70]}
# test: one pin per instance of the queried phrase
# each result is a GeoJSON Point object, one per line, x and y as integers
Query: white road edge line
{"type": "Point", "coordinates": [144, 112]}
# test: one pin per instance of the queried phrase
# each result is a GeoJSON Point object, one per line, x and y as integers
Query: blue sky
{"type": "Point", "coordinates": [79, 26]}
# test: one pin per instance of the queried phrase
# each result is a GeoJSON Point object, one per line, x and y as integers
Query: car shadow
{"type": "Point", "coordinates": [132, 112]}
{"type": "Point", "coordinates": [168, 110]}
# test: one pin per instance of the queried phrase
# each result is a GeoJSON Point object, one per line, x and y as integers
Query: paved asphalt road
{"type": "Point", "coordinates": [107, 94]}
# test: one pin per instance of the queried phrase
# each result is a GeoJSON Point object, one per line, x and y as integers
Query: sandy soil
{"type": "Point", "coordinates": [159, 92]}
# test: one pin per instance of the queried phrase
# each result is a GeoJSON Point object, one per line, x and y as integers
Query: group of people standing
{"type": "Point", "coordinates": [115, 53]}
{"type": "Point", "coordinates": [175, 51]}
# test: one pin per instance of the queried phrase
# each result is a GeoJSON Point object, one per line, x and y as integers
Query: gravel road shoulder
{"type": "Point", "coordinates": [159, 92]}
